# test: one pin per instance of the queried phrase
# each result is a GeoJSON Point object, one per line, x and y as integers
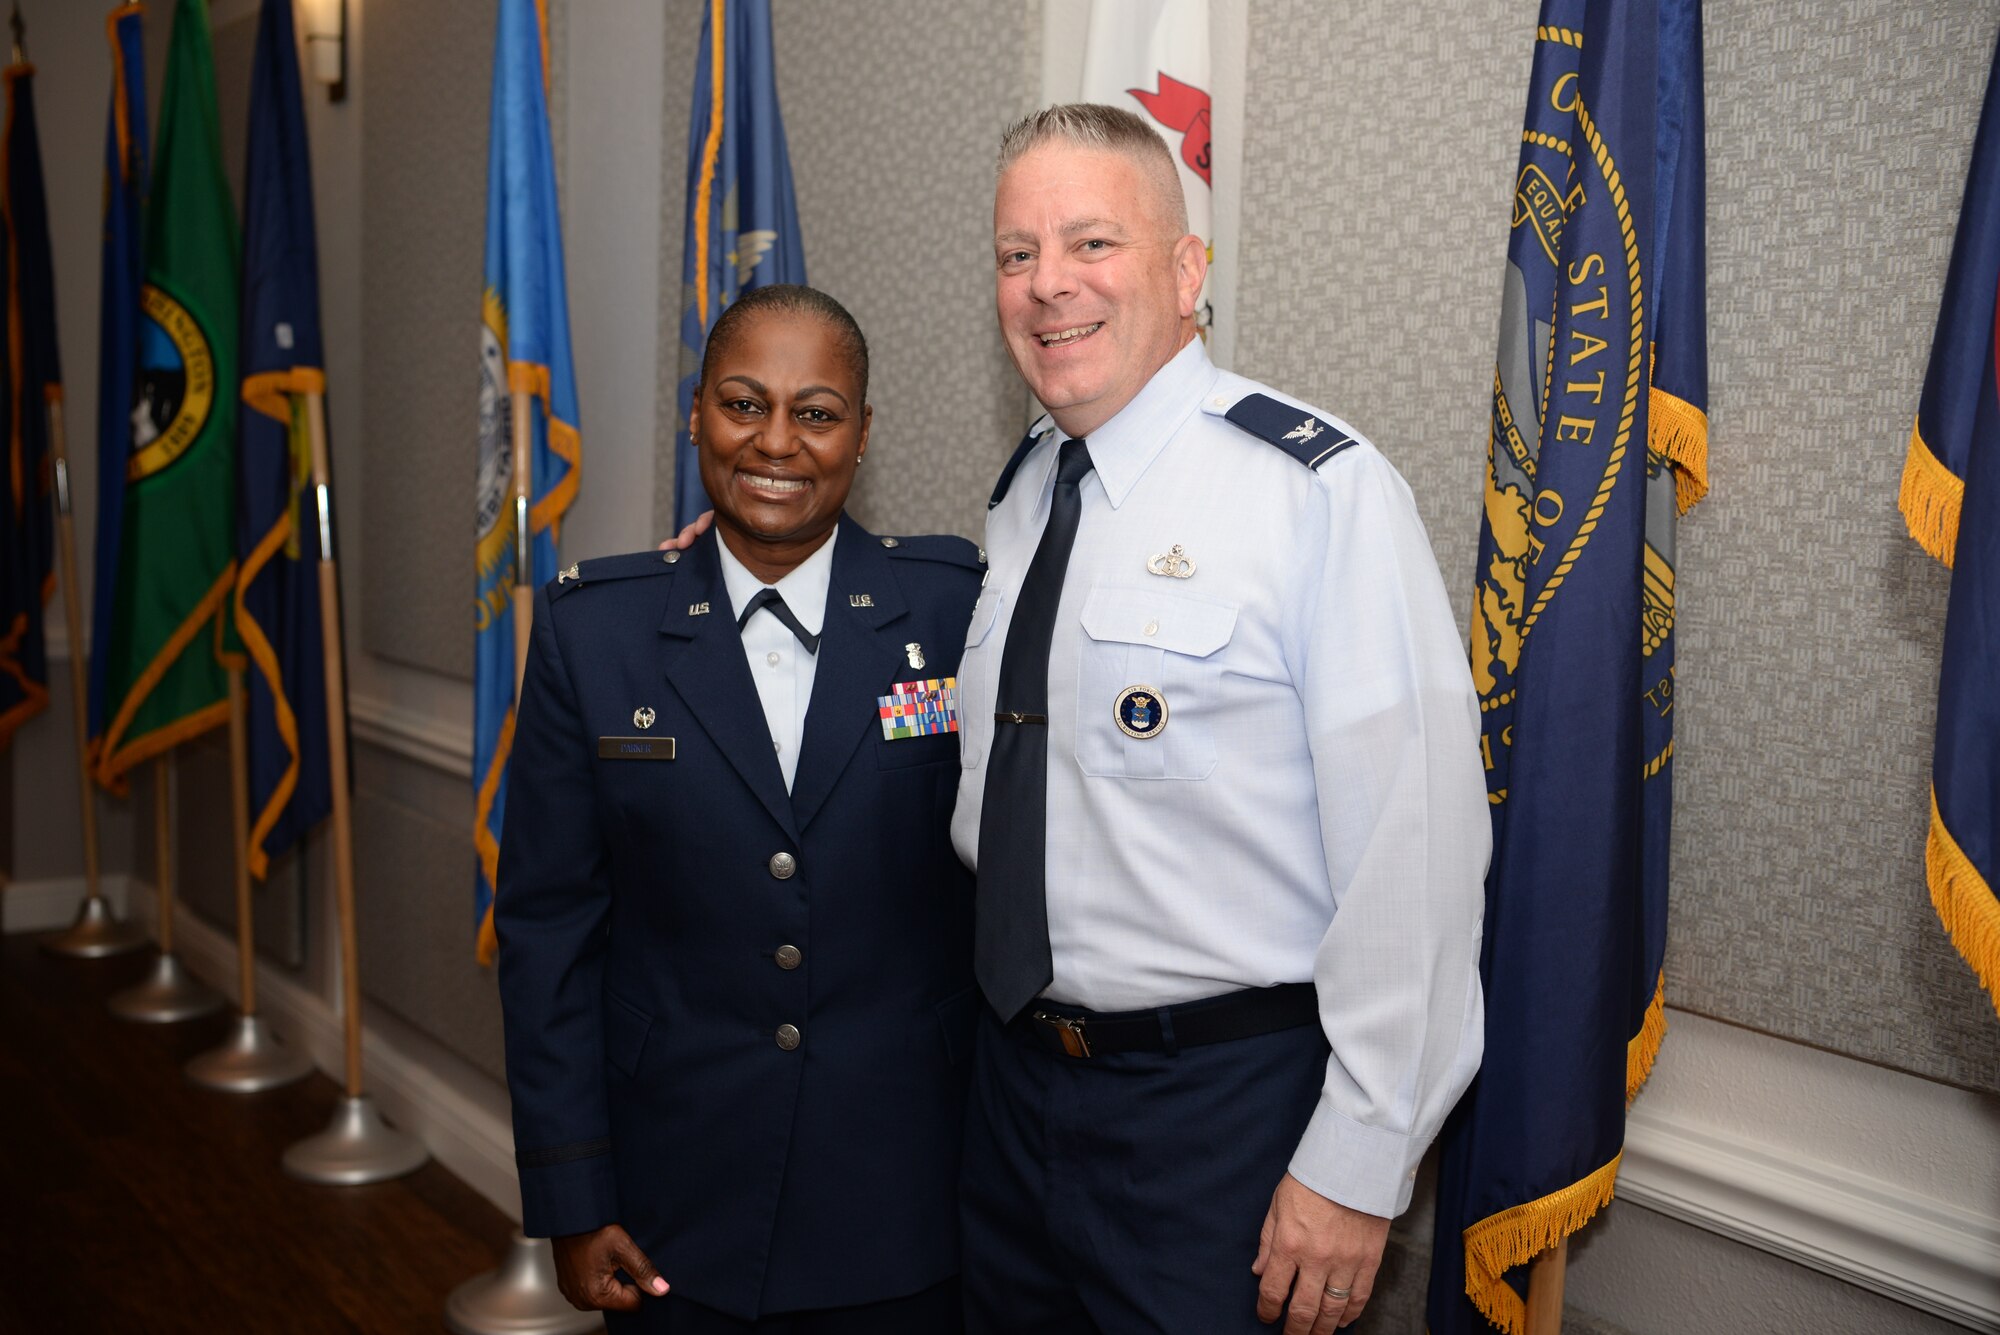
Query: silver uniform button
{"type": "Point", "coordinates": [671, 557]}
{"type": "Point", "coordinates": [783, 865]}
{"type": "Point", "coordinates": [890, 542]}
{"type": "Point", "coordinates": [789, 957]}
{"type": "Point", "coordinates": [788, 1036]}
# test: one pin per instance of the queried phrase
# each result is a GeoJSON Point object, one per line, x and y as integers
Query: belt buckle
{"type": "Point", "coordinates": [1069, 1028]}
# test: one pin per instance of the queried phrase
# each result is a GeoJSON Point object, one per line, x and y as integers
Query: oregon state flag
{"type": "Point", "coordinates": [742, 216]}
{"type": "Point", "coordinates": [34, 384]}
{"type": "Point", "coordinates": [1597, 442]}
{"type": "Point", "coordinates": [123, 270]}
{"type": "Point", "coordinates": [170, 635]}
{"type": "Point", "coordinates": [277, 521]}
{"type": "Point", "coordinates": [1951, 500]}
{"type": "Point", "coordinates": [523, 346]}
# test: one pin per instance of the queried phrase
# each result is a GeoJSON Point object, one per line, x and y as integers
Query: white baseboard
{"type": "Point", "coordinates": [45, 905]}
{"type": "Point", "coordinates": [1930, 1254]}
{"type": "Point", "coordinates": [460, 1114]}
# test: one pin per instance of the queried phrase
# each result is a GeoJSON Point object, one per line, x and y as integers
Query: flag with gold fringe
{"type": "Point", "coordinates": [278, 538]}
{"type": "Point", "coordinates": [523, 347]}
{"type": "Point", "coordinates": [1951, 501]}
{"type": "Point", "coordinates": [122, 275]}
{"type": "Point", "coordinates": [1597, 443]}
{"type": "Point", "coordinates": [742, 215]}
{"type": "Point", "coordinates": [171, 638]}
{"type": "Point", "coordinates": [33, 389]}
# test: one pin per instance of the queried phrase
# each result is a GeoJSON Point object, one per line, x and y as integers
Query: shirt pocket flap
{"type": "Point", "coordinates": [1169, 621]}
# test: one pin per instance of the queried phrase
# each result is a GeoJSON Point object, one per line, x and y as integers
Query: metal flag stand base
{"type": "Point", "coordinates": [518, 1298]}
{"type": "Point", "coordinates": [249, 1060]}
{"type": "Point", "coordinates": [357, 1147]}
{"type": "Point", "coordinates": [169, 995]}
{"type": "Point", "coordinates": [96, 933]}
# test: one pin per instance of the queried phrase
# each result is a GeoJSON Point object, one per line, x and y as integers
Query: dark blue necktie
{"type": "Point", "coordinates": [768, 597]}
{"type": "Point", "coordinates": [1010, 953]}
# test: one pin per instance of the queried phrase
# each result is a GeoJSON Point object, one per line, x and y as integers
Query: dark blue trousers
{"type": "Point", "coordinates": [935, 1311]}
{"type": "Point", "coordinates": [1119, 1194]}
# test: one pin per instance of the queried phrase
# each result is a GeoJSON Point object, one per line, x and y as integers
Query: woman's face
{"type": "Point", "coordinates": [779, 428]}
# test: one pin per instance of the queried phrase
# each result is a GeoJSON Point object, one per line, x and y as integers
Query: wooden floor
{"type": "Point", "coordinates": [133, 1201]}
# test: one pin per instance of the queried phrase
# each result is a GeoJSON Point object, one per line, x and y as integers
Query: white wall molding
{"type": "Point", "coordinates": [412, 733]}
{"type": "Point", "coordinates": [459, 1113]}
{"type": "Point", "coordinates": [1879, 1178]}
{"type": "Point", "coordinates": [1881, 1236]}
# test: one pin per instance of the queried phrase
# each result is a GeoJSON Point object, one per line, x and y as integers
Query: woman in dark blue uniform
{"type": "Point", "coordinates": [734, 937]}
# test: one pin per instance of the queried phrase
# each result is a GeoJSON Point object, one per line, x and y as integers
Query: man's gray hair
{"type": "Point", "coordinates": [1111, 129]}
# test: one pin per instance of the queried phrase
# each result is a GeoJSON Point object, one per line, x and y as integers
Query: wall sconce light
{"type": "Point", "coordinates": [326, 44]}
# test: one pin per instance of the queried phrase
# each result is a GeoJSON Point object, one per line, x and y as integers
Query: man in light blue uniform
{"type": "Point", "coordinates": [1222, 792]}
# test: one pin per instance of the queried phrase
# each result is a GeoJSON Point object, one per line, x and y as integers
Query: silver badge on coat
{"type": "Point", "coordinates": [643, 716]}
{"type": "Point", "coordinates": [1174, 564]}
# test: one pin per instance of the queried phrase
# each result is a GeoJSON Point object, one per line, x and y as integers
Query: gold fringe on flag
{"type": "Point", "coordinates": [1930, 500]}
{"type": "Point", "coordinates": [1964, 903]}
{"type": "Point", "coordinates": [1677, 431]}
{"type": "Point", "coordinates": [1645, 1045]}
{"type": "Point", "coordinates": [1500, 1242]}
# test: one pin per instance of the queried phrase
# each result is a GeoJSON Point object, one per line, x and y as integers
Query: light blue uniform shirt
{"type": "Point", "coordinates": [1313, 809]}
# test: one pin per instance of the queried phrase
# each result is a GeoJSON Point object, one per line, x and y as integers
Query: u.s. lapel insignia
{"type": "Point", "coordinates": [861, 600]}
{"type": "Point", "coordinates": [642, 717]}
{"type": "Point", "coordinates": [568, 575]}
{"type": "Point", "coordinates": [916, 653]}
{"type": "Point", "coordinates": [1174, 564]}
{"type": "Point", "coordinates": [697, 609]}
{"type": "Point", "coordinates": [1141, 712]}
{"type": "Point", "coordinates": [1304, 431]}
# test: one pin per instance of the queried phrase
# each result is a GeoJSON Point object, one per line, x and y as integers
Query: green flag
{"type": "Point", "coordinates": [165, 666]}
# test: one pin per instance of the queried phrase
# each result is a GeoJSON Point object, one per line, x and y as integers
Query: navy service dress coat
{"type": "Point", "coordinates": [737, 1019]}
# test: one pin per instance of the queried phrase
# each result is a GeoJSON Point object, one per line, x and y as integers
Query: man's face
{"type": "Point", "coordinates": [1095, 290]}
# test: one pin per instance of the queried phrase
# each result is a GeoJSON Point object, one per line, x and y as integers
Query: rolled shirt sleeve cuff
{"type": "Point", "coordinates": [559, 1199]}
{"type": "Point", "coordinates": [1362, 1167]}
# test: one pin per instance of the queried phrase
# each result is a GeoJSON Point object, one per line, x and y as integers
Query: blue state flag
{"type": "Point", "coordinates": [1597, 444]}
{"type": "Point", "coordinates": [1951, 501]}
{"type": "Point", "coordinates": [742, 215]}
{"type": "Point", "coordinates": [523, 348]}
{"type": "Point", "coordinates": [123, 267]}
{"type": "Point", "coordinates": [33, 390]}
{"type": "Point", "coordinates": [277, 522]}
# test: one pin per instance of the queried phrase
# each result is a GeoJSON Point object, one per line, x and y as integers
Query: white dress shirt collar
{"type": "Point", "coordinates": [1123, 448]}
{"type": "Point", "coordinates": [803, 589]}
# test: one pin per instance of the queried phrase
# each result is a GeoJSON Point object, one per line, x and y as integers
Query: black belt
{"type": "Point", "coordinates": [1075, 1032]}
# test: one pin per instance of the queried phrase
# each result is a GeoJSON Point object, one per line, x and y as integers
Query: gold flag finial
{"type": "Point", "coordinates": [20, 28]}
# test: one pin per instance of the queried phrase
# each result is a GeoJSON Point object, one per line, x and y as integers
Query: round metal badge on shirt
{"type": "Point", "coordinates": [1141, 712]}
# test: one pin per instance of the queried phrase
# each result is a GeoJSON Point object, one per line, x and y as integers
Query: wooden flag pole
{"type": "Point", "coordinates": [163, 851]}
{"type": "Point", "coordinates": [170, 993]}
{"type": "Point", "coordinates": [1545, 1290]}
{"type": "Point", "coordinates": [96, 932]}
{"type": "Point", "coordinates": [524, 543]}
{"type": "Point", "coordinates": [336, 735]}
{"type": "Point", "coordinates": [239, 813]}
{"type": "Point", "coordinates": [250, 1058]}
{"type": "Point", "coordinates": [357, 1145]}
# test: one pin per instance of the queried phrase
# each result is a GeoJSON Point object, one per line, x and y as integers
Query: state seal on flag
{"type": "Point", "coordinates": [176, 388]}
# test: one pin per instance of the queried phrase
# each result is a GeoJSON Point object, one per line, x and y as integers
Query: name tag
{"type": "Point", "coordinates": [635, 748]}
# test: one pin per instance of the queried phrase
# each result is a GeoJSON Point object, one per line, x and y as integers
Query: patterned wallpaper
{"type": "Point", "coordinates": [1378, 157]}
{"type": "Point", "coordinates": [895, 186]}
